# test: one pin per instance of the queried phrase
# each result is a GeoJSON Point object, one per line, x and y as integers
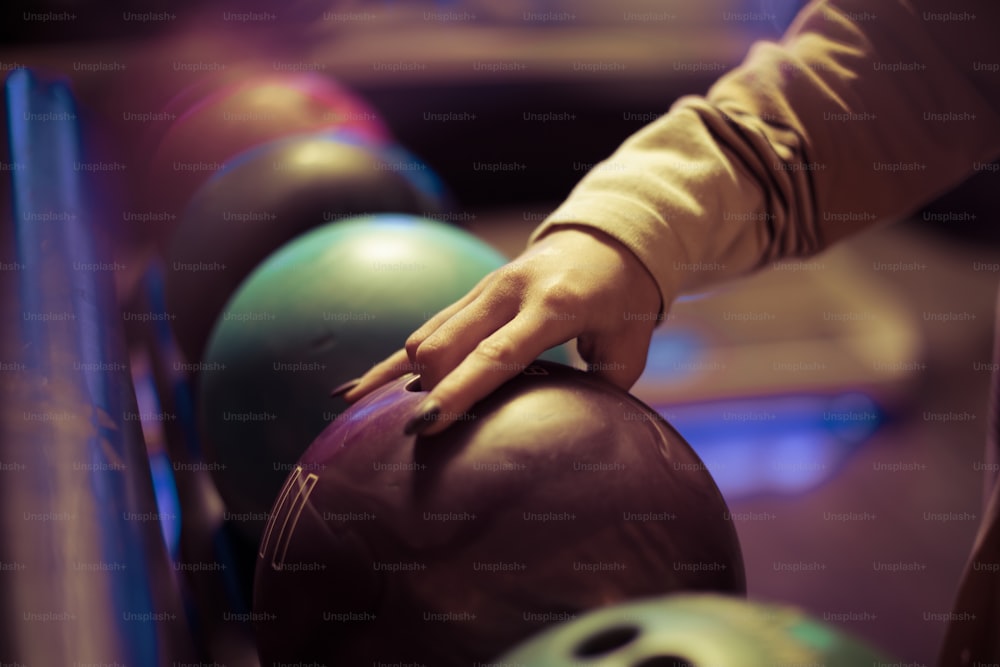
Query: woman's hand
{"type": "Point", "coordinates": [575, 282]}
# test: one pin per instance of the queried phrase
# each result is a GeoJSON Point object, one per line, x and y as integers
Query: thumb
{"type": "Point", "coordinates": [619, 359]}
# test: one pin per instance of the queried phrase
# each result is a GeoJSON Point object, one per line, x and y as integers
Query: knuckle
{"type": "Point", "coordinates": [414, 356]}
{"type": "Point", "coordinates": [413, 344]}
{"type": "Point", "coordinates": [496, 351]}
{"type": "Point", "coordinates": [508, 278]}
{"type": "Point", "coordinates": [424, 353]}
{"type": "Point", "coordinates": [559, 295]}
{"type": "Point", "coordinates": [430, 353]}
{"type": "Point", "coordinates": [558, 302]}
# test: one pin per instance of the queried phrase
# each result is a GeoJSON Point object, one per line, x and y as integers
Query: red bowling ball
{"type": "Point", "coordinates": [557, 494]}
{"type": "Point", "coordinates": [235, 112]}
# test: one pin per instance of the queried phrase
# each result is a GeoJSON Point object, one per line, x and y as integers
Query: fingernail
{"type": "Point", "coordinates": [424, 418]}
{"type": "Point", "coordinates": [341, 389]}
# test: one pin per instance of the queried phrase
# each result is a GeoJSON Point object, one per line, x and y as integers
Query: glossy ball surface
{"type": "Point", "coordinates": [556, 494]}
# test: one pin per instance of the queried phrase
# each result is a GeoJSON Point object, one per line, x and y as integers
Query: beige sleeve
{"type": "Point", "coordinates": [864, 111]}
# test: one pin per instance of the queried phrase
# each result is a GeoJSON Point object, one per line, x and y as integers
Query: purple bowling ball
{"type": "Point", "coordinates": [557, 494]}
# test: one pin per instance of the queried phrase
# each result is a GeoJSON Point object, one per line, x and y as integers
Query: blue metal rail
{"type": "Point", "coordinates": [84, 572]}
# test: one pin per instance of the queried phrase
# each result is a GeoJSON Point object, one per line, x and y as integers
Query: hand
{"type": "Point", "coordinates": [575, 282]}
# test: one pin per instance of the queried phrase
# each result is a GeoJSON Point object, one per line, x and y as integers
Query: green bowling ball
{"type": "Point", "coordinates": [320, 310]}
{"type": "Point", "coordinates": [692, 630]}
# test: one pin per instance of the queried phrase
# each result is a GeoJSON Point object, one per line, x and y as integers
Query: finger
{"type": "Point", "coordinates": [395, 365]}
{"type": "Point", "coordinates": [344, 387]}
{"type": "Point", "coordinates": [496, 359]}
{"type": "Point", "coordinates": [442, 316]}
{"type": "Point", "coordinates": [399, 363]}
{"type": "Point", "coordinates": [442, 351]}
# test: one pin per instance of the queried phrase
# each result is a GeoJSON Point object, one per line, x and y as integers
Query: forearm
{"type": "Point", "coordinates": [833, 130]}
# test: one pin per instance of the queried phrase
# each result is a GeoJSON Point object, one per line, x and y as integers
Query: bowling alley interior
{"type": "Point", "coordinates": [218, 216]}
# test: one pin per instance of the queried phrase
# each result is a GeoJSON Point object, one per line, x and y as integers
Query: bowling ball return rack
{"type": "Point", "coordinates": [87, 574]}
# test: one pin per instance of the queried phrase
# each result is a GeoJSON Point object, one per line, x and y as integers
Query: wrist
{"type": "Point", "coordinates": [636, 271]}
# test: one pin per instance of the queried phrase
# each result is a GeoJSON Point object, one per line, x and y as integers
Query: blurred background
{"type": "Point", "coordinates": [839, 401]}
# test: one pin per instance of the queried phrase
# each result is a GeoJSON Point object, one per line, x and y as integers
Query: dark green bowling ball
{"type": "Point", "coordinates": [267, 196]}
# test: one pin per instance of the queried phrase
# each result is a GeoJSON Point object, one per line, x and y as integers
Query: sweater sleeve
{"type": "Point", "coordinates": [860, 114]}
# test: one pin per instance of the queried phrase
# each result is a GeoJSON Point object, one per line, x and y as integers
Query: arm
{"type": "Point", "coordinates": [832, 130]}
{"type": "Point", "coordinates": [796, 148]}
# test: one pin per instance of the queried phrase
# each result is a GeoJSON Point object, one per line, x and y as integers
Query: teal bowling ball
{"type": "Point", "coordinates": [319, 311]}
{"type": "Point", "coordinates": [693, 630]}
